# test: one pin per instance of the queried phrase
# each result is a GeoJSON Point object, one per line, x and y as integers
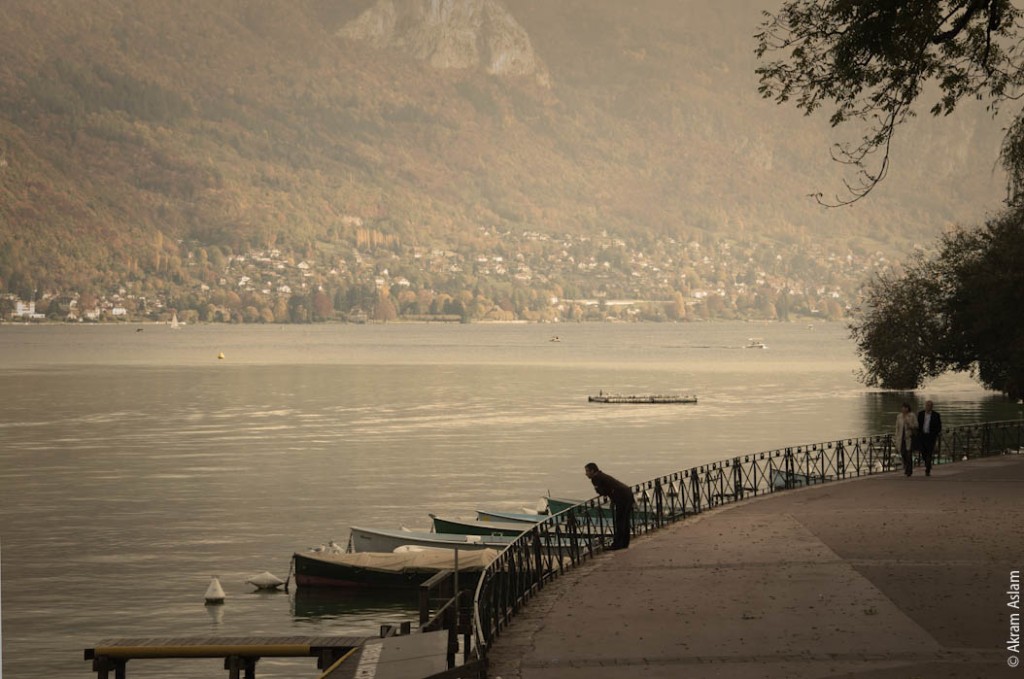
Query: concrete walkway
{"type": "Point", "coordinates": [886, 576]}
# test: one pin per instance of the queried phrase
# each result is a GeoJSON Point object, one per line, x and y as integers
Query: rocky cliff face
{"type": "Point", "coordinates": [459, 34]}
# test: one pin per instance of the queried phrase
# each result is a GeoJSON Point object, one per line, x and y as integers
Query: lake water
{"type": "Point", "coordinates": [136, 464]}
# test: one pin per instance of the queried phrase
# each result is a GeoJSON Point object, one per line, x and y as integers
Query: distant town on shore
{"type": "Point", "coordinates": [526, 276]}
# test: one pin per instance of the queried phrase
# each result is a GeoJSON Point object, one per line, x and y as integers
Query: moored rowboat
{"type": "Point", "coordinates": [384, 540]}
{"type": "Point", "coordinates": [556, 504]}
{"type": "Point", "coordinates": [388, 570]}
{"type": "Point", "coordinates": [486, 515]}
{"type": "Point", "coordinates": [464, 527]}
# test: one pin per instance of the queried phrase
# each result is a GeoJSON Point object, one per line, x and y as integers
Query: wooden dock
{"type": "Point", "coordinates": [407, 656]}
{"type": "Point", "coordinates": [240, 653]}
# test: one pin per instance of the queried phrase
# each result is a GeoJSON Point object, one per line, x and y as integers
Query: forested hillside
{"type": "Point", "coordinates": [143, 143]}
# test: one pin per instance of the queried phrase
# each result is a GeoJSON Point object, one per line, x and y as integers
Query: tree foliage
{"type": "Point", "coordinates": [958, 310]}
{"type": "Point", "coordinates": [892, 335]}
{"type": "Point", "coordinates": [872, 59]}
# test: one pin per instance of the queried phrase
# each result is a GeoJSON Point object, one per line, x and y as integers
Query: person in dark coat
{"type": "Point", "coordinates": [622, 502]}
{"type": "Point", "coordinates": [929, 426]}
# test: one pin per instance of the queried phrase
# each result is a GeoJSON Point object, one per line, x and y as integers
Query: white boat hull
{"type": "Point", "coordinates": [380, 540]}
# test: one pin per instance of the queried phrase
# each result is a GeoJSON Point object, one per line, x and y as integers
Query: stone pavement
{"type": "Point", "coordinates": [885, 576]}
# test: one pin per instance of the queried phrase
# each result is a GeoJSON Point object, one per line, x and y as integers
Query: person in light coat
{"type": "Point", "coordinates": [906, 437]}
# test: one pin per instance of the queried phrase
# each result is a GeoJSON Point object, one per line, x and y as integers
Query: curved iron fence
{"type": "Point", "coordinates": [568, 538]}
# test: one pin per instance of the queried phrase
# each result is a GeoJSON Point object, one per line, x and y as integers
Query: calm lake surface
{"type": "Point", "coordinates": [135, 465]}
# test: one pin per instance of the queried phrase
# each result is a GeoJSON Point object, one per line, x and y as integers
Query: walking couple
{"type": "Point", "coordinates": [917, 434]}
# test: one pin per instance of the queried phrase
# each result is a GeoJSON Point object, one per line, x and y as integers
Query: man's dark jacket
{"type": "Point", "coordinates": [611, 487]}
{"type": "Point", "coordinates": [934, 427]}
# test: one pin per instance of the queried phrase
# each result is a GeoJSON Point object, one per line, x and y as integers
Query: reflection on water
{"type": "Point", "coordinates": [134, 466]}
{"type": "Point", "coordinates": [354, 607]}
{"type": "Point", "coordinates": [958, 401]}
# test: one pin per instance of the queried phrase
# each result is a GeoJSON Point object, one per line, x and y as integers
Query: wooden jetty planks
{"type": "Point", "coordinates": [240, 653]}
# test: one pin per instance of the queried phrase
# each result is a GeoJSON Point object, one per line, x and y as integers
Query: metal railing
{"type": "Point", "coordinates": [568, 538]}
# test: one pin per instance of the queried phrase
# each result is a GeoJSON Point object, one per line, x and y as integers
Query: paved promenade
{"type": "Point", "coordinates": [887, 576]}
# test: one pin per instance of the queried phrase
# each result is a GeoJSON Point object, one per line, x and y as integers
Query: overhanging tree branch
{"type": "Point", "coordinates": [871, 60]}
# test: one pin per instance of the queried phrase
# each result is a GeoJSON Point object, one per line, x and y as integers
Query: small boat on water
{"type": "Point", "coordinates": [384, 540]}
{"type": "Point", "coordinates": [485, 515]}
{"type": "Point", "coordinates": [556, 505]}
{"type": "Point", "coordinates": [469, 527]}
{"type": "Point", "coordinates": [641, 398]}
{"type": "Point", "coordinates": [756, 343]}
{"type": "Point", "coordinates": [389, 570]}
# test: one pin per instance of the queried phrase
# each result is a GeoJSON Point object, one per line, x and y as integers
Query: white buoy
{"type": "Point", "coordinates": [265, 580]}
{"type": "Point", "coordinates": [214, 593]}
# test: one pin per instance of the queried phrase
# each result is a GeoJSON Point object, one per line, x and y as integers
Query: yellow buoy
{"type": "Point", "coordinates": [221, 355]}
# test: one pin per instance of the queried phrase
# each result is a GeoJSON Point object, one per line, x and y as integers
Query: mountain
{"type": "Point", "coordinates": [451, 35]}
{"type": "Point", "coordinates": [136, 133]}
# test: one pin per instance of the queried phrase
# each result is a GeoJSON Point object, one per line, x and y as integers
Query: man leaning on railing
{"type": "Point", "coordinates": [622, 502]}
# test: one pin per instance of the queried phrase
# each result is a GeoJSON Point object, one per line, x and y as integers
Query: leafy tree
{"type": "Point", "coordinates": [384, 310]}
{"type": "Point", "coordinates": [871, 61]}
{"type": "Point", "coordinates": [956, 311]}
{"type": "Point", "coordinates": [323, 307]}
{"type": "Point", "coordinates": [298, 309]}
{"type": "Point", "coordinates": [280, 312]}
{"type": "Point", "coordinates": [981, 302]}
{"type": "Point", "coordinates": [890, 340]}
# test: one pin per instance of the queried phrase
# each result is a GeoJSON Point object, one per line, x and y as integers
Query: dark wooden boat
{"type": "Point", "coordinates": [464, 527]}
{"type": "Point", "coordinates": [388, 570]}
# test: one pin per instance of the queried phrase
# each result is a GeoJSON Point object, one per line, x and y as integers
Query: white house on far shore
{"type": "Point", "coordinates": [27, 311]}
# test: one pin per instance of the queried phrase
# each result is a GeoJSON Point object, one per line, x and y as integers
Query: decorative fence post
{"type": "Point", "coordinates": [659, 505]}
{"type": "Point", "coordinates": [790, 467]}
{"type": "Point", "coordinates": [737, 479]}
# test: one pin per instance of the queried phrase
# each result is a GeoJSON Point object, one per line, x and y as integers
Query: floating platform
{"type": "Point", "coordinates": [641, 398]}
